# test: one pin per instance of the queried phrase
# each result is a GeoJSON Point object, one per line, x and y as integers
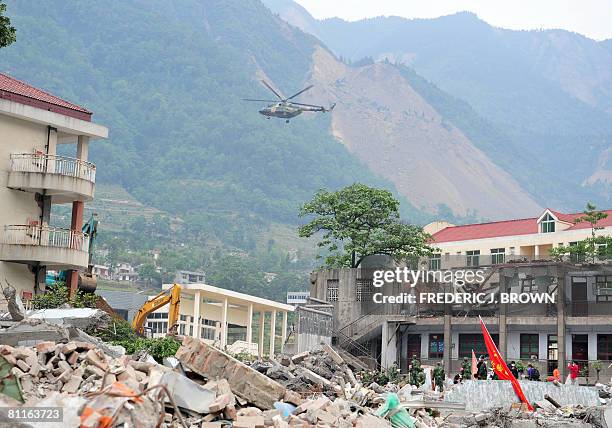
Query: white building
{"type": "Point", "coordinates": [33, 177]}
{"type": "Point", "coordinates": [498, 241]}
{"type": "Point", "coordinates": [218, 311]}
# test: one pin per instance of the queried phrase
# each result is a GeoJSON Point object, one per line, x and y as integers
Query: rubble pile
{"type": "Point", "coordinates": [203, 387]}
{"type": "Point", "coordinates": [321, 370]}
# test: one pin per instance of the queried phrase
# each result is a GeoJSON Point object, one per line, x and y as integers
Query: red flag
{"type": "Point", "coordinates": [500, 367]}
{"type": "Point", "coordinates": [474, 364]}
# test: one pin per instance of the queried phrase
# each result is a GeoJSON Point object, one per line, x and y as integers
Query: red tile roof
{"type": "Point", "coordinates": [18, 91]}
{"type": "Point", "coordinates": [523, 226]}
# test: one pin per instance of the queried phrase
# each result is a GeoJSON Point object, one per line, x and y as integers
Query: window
{"type": "Point", "coordinates": [528, 285]}
{"type": "Point", "coordinates": [497, 255]}
{"type": "Point", "coordinates": [473, 258]}
{"type": "Point", "coordinates": [512, 251]}
{"type": "Point", "coordinates": [530, 346]}
{"type": "Point", "coordinates": [332, 290]}
{"type": "Point", "coordinates": [436, 345]}
{"type": "Point", "coordinates": [603, 288]}
{"type": "Point", "coordinates": [364, 289]}
{"type": "Point", "coordinates": [434, 262]}
{"type": "Point", "coordinates": [547, 225]}
{"type": "Point", "coordinates": [604, 347]}
{"type": "Point", "coordinates": [467, 342]}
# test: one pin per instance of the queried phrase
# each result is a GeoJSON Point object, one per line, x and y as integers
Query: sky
{"type": "Point", "coordinates": [592, 18]}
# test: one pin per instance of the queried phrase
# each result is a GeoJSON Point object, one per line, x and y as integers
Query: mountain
{"type": "Point", "coordinates": [167, 77]}
{"type": "Point", "coordinates": [388, 125]}
{"type": "Point", "coordinates": [546, 94]}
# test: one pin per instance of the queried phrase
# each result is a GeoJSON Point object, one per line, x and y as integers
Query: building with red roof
{"type": "Point", "coordinates": [494, 242]}
{"type": "Point", "coordinates": [33, 123]}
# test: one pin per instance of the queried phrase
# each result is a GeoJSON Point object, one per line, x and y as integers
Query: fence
{"type": "Point", "coordinates": [45, 236]}
{"type": "Point", "coordinates": [53, 164]}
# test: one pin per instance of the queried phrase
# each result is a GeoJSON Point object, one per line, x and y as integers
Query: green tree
{"type": "Point", "coordinates": [591, 248]}
{"type": "Point", "coordinates": [359, 221]}
{"type": "Point", "coordinates": [7, 32]}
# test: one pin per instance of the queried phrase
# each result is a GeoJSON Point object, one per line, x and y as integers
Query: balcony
{"type": "Point", "coordinates": [49, 246]}
{"type": "Point", "coordinates": [65, 179]}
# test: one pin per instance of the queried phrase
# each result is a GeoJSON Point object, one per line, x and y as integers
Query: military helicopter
{"type": "Point", "coordinates": [285, 109]}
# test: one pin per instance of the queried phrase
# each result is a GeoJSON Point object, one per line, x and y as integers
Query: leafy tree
{"type": "Point", "coordinates": [591, 248]}
{"type": "Point", "coordinates": [592, 216]}
{"type": "Point", "coordinates": [7, 32]}
{"type": "Point", "coordinates": [358, 221]}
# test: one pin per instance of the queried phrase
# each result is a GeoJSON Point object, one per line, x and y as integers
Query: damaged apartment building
{"type": "Point", "coordinates": [37, 129]}
{"type": "Point", "coordinates": [513, 257]}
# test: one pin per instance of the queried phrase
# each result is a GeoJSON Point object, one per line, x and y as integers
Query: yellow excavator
{"type": "Point", "coordinates": [170, 296]}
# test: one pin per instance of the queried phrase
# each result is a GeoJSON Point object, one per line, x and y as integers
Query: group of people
{"type": "Point", "coordinates": [482, 372]}
{"type": "Point", "coordinates": [465, 372]}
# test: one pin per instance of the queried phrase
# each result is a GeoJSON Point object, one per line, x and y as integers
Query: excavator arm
{"type": "Point", "coordinates": [171, 296]}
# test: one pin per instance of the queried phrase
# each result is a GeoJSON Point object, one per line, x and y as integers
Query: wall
{"type": "Point", "coordinates": [313, 328]}
{"type": "Point", "coordinates": [17, 136]}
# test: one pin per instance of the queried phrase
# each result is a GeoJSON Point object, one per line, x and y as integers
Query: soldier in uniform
{"type": "Point", "coordinates": [439, 376]}
{"type": "Point", "coordinates": [417, 376]}
{"type": "Point", "coordinates": [467, 369]}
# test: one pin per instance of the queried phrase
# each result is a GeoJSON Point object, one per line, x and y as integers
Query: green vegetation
{"type": "Point", "coordinates": [194, 172]}
{"type": "Point", "coordinates": [589, 249]}
{"type": "Point", "coordinates": [120, 332]}
{"type": "Point", "coordinates": [358, 221]}
{"type": "Point", "coordinates": [7, 32]}
{"type": "Point", "coordinates": [57, 296]}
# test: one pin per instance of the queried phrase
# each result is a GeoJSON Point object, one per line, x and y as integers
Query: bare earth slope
{"type": "Point", "coordinates": [384, 122]}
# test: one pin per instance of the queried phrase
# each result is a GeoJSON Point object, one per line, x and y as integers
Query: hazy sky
{"type": "Point", "coordinates": [593, 18]}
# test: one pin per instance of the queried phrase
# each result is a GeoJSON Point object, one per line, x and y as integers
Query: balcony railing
{"type": "Point", "coordinates": [53, 164]}
{"type": "Point", "coordinates": [45, 237]}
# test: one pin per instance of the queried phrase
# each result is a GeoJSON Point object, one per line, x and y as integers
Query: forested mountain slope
{"type": "Point", "coordinates": [547, 95]}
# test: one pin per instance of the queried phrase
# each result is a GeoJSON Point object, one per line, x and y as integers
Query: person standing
{"type": "Point", "coordinates": [439, 376]}
{"type": "Point", "coordinates": [467, 369]}
{"type": "Point", "coordinates": [514, 369]}
{"type": "Point", "coordinates": [574, 369]}
{"type": "Point", "coordinates": [482, 369]}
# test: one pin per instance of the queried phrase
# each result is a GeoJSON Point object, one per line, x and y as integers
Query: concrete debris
{"type": "Point", "coordinates": [83, 318]}
{"type": "Point", "coordinates": [15, 306]}
{"type": "Point", "coordinates": [203, 387]}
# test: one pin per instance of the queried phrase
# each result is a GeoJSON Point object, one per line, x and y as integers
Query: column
{"type": "Point", "coordinates": [196, 315]}
{"type": "Point", "coordinates": [388, 348]}
{"type": "Point", "coordinates": [249, 326]}
{"type": "Point", "coordinates": [272, 333]}
{"type": "Point", "coordinates": [284, 331]}
{"type": "Point", "coordinates": [503, 312]}
{"type": "Point", "coordinates": [76, 225]}
{"type": "Point", "coordinates": [262, 326]}
{"type": "Point", "coordinates": [51, 148]}
{"type": "Point", "coordinates": [561, 344]}
{"type": "Point", "coordinates": [536, 252]}
{"type": "Point", "coordinates": [448, 340]}
{"type": "Point", "coordinates": [592, 347]}
{"type": "Point", "coordinates": [224, 323]}
{"type": "Point", "coordinates": [77, 218]}
{"type": "Point", "coordinates": [82, 147]}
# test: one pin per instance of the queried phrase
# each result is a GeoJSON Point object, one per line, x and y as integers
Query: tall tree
{"type": "Point", "coordinates": [7, 32]}
{"type": "Point", "coordinates": [359, 221]}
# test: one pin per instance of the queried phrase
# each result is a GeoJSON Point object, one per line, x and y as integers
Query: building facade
{"type": "Point", "coordinates": [576, 324]}
{"type": "Point", "coordinates": [33, 177]}
{"type": "Point", "coordinates": [496, 242]}
{"type": "Point", "coordinates": [235, 321]}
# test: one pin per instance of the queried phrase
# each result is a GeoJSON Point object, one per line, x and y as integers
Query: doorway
{"type": "Point", "coordinates": [579, 296]}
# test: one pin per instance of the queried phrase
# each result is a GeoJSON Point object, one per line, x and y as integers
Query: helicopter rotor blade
{"type": "Point", "coordinates": [272, 89]}
{"type": "Point", "coordinates": [302, 91]}
{"type": "Point", "coordinates": [309, 105]}
{"type": "Point", "coordinates": [265, 101]}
